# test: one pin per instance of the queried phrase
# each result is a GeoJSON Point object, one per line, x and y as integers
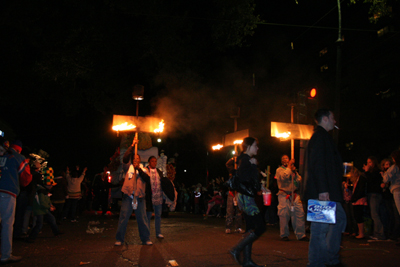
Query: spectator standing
{"type": "Point", "coordinates": [233, 213]}
{"type": "Point", "coordinates": [290, 206]}
{"type": "Point", "coordinates": [392, 175]}
{"type": "Point", "coordinates": [351, 227]}
{"type": "Point", "coordinates": [74, 181]}
{"type": "Point", "coordinates": [374, 194]}
{"type": "Point", "coordinates": [359, 200]}
{"type": "Point", "coordinates": [393, 231]}
{"type": "Point", "coordinates": [11, 167]}
{"type": "Point", "coordinates": [324, 182]}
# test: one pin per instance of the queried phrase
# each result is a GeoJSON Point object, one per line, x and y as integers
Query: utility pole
{"type": "Point", "coordinates": [339, 43]}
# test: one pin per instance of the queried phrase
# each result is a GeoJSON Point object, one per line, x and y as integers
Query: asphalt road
{"type": "Point", "coordinates": [189, 240]}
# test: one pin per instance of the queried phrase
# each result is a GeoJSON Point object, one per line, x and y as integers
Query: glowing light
{"type": "Point", "coordinates": [313, 93]}
{"type": "Point", "coordinates": [123, 127]}
{"type": "Point", "coordinates": [159, 140]}
{"type": "Point", "coordinates": [217, 147]}
{"type": "Point", "coordinates": [237, 142]}
{"type": "Point", "coordinates": [160, 128]}
{"type": "Point", "coordinates": [283, 135]}
{"type": "Point", "coordinates": [233, 152]}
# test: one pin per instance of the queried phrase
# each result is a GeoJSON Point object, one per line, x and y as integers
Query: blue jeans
{"type": "Point", "coordinates": [375, 200]}
{"type": "Point", "coordinates": [157, 218]}
{"type": "Point", "coordinates": [7, 215]}
{"type": "Point", "coordinates": [142, 220]}
{"type": "Point", "coordinates": [51, 220]}
{"type": "Point", "coordinates": [124, 215]}
{"type": "Point", "coordinates": [325, 240]}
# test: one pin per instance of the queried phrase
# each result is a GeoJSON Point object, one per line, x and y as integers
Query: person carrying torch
{"type": "Point", "coordinates": [128, 189]}
{"type": "Point", "coordinates": [290, 205]}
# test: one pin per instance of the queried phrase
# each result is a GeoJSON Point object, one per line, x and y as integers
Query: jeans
{"type": "Point", "coordinates": [325, 240]}
{"type": "Point", "coordinates": [375, 200]}
{"type": "Point", "coordinates": [27, 217]}
{"type": "Point", "coordinates": [142, 220]}
{"type": "Point", "coordinates": [157, 218]}
{"type": "Point", "coordinates": [124, 215]}
{"type": "Point", "coordinates": [297, 216]}
{"type": "Point", "coordinates": [51, 220]}
{"type": "Point", "coordinates": [7, 215]}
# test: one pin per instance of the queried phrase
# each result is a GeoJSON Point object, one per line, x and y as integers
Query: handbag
{"type": "Point", "coordinates": [235, 184]}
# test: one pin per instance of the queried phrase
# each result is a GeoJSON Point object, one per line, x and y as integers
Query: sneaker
{"type": "Point", "coordinates": [160, 236]}
{"type": "Point", "coordinates": [11, 259]}
{"type": "Point", "coordinates": [118, 243]}
{"type": "Point", "coordinates": [148, 243]}
{"type": "Point", "coordinates": [285, 238]}
{"type": "Point", "coordinates": [227, 231]}
{"type": "Point", "coordinates": [240, 231]}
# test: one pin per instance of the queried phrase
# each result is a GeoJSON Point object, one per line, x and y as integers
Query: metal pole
{"type": "Point", "coordinates": [339, 43]}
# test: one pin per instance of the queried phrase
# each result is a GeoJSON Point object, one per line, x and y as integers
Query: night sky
{"type": "Point", "coordinates": [67, 67]}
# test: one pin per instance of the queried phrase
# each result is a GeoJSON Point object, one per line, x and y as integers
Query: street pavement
{"type": "Point", "coordinates": [190, 241]}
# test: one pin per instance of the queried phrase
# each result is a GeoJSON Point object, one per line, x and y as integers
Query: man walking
{"type": "Point", "coordinates": [323, 182]}
{"type": "Point", "coordinates": [290, 205]}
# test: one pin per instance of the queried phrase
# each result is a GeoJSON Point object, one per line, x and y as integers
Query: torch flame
{"type": "Point", "coordinates": [237, 142]}
{"type": "Point", "coordinates": [283, 135]}
{"type": "Point", "coordinates": [160, 128]}
{"type": "Point", "coordinates": [123, 127]}
{"type": "Point", "coordinates": [217, 147]}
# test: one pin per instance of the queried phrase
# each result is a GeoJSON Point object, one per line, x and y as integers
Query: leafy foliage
{"type": "Point", "coordinates": [378, 8]}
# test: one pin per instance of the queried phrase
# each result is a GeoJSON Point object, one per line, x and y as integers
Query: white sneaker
{"type": "Point", "coordinates": [240, 231]}
{"type": "Point", "coordinates": [160, 236]}
{"type": "Point", "coordinates": [148, 243]}
{"type": "Point", "coordinates": [118, 243]}
{"type": "Point", "coordinates": [227, 231]}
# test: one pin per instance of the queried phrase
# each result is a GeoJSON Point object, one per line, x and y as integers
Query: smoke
{"type": "Point", "coordinates": [190, 106]}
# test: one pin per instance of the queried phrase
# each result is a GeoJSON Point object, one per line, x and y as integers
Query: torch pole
{"type": "Point", "coordinates": [137, 120]}
{"type": "Point", "coordinates": [292, 152]}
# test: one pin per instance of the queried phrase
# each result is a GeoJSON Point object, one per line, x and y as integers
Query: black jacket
{"type": "Point", "coordinates": [324, 167]}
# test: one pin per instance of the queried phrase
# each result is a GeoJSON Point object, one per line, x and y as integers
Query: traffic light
{"type": "Point", "coordinates": [307, 104]}
{"type": "Point", "coordinates": [312, 93]}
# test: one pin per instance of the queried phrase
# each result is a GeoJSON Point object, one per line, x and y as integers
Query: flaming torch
{"type": "Point", "coordinates": [124, 127]}
{"type": "Point", "coordinates": [217, 147]}
{"type": "Point", "coordinates": [160, 128]}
